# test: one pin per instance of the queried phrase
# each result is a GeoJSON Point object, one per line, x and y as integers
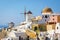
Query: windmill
{"type": "Point", "coordinates": [24, 13]}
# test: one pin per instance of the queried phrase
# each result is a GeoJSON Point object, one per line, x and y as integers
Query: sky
{"type": "Point", "coordinates": [10, 10]}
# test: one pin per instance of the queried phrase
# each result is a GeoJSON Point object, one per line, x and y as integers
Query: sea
{"type": "Point", "coordinates": [3, 26]}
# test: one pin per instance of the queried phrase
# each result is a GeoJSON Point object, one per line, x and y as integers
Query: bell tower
{"type": "Point", "coordinates": [46, 12]}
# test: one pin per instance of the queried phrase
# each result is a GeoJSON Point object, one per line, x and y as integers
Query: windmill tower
{"type": "Point", "coordinates": [27, 15]}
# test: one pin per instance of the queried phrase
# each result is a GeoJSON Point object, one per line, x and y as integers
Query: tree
{"type": "Point", "coordinates": [42, 27]}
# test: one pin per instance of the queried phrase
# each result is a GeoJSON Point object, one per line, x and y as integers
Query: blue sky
{"type": "Point", "coordinates": [10, 9]}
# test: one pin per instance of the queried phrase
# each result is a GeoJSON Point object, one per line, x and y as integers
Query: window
{"type": "Point", "coordinates": [15, 29]}
{"type": "Point", "coordinates": [35, 28]}
{"type": "Point", "coordinates": [53, 15]}
{"type": "Point", "coordinates": [19, 37]}
{"type": "Point", "coordinates": [57, 27]}
{"type": "Point", "coordinates": [53, 19]}
{"type": "Point", "coordinates": [46, 16]}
